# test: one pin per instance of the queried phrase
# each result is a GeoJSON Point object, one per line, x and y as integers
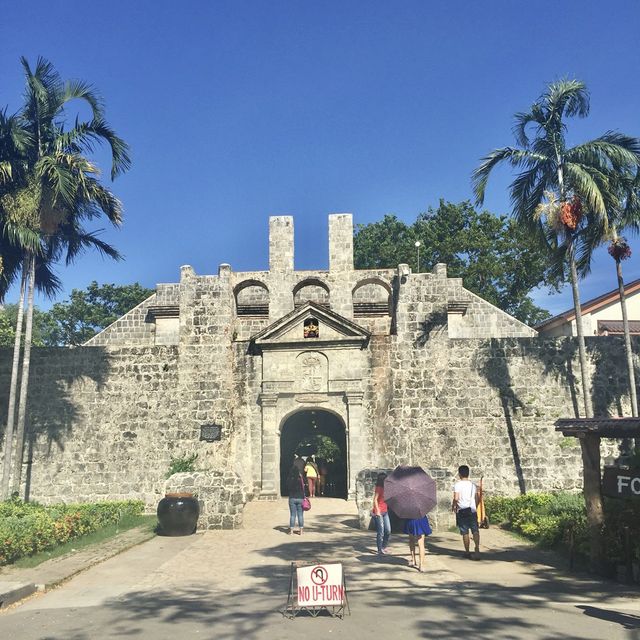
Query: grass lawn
{"type": "Point", "coordinates": [110, 531]}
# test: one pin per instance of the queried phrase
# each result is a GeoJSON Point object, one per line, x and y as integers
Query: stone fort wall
{"type": "Point", "coordinates": [447, 378]}
{"type": "Point", "coordinates": [104, 423]}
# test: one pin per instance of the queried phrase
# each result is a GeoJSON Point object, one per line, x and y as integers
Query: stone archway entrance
{"type": "Point", "coordinates": [319, 432]}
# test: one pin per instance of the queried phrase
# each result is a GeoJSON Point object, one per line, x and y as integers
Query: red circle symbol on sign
{"type": "Point", "coordinates": [319, 575]}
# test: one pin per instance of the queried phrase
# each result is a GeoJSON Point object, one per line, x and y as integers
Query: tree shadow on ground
{"type": "Point", "coordinates": [627, 620]}
{"type": "Point", "coordinates": [384, 595]}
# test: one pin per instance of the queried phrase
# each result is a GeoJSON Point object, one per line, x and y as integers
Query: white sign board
{"type": "Point", "coordinates": [320, 585]}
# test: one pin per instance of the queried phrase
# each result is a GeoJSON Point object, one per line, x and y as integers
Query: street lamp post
{"type": "Point", "coordinates": [417, 245]}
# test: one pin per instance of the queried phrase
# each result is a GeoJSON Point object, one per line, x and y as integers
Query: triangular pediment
{"type": "Point", "coordinates": [332, 330]}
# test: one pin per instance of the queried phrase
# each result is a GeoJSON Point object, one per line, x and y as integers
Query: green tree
{"type": "Point", "coordinates": [87, 312]}
{"type": "Point", "coordinates": [497, 259]}
{"type": "Point", "coordinates": [7, 332]}
{"type": "Point", "coordinates": [43, 326]}
{"type": "Point", "coordinates": [558, 190]}
{"type": "Point", "coordinates": [54, 189]}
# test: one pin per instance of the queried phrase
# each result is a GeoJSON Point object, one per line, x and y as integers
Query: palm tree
{"type": "Point", "coordinates": [61, 184]}
{"type": "Point", "coordinates": [15, 239]}
{"type": "Point", "coordinates": [558, 191]}
{"type": "Point", "coordinates": [620, 219]}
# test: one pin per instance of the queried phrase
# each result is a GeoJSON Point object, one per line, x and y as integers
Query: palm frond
{"type": "Point", "coordinates": [6, 171]}
{"type": "Point", "coordinates": [558, 256]}
{"type": "Point", "coordinates": [20, 236]}
{"type": "Point", "coordinates": [120, 157]}
{"type": "Point", "coordinates": [47, 282]}
{"type": "Point", "coordinates": [606, 154]}
{"type": "Point", "coordinates": [566, 97]}
{"type": "Point", "coordinates": [515, 157]}
{"type": "Point", "coordinates": [583, 183]}
{"type": "Point", "coordinates": [74, 240]}
{"type": "Point", "coordinates": [58, 177]}
{"type": "Point", "coordinates": [523, 120]}
{"type": "Point", "coordinates": [528, 189]}
{"type": "Point", "coordinates": [101, 200]}
{"type": "Point", "coordinates": [79, 90]}
{"type": "Point", "coordinates": [591, 236]}
{"type": "Point", "coordinates": [42, 94]}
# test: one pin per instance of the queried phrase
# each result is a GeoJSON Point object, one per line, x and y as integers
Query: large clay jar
{"type": "Point", "coordinates": [178, 514]}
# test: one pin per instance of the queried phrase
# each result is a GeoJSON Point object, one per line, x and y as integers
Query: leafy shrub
{"type": "Point", "coordinates": [546, 530]}
{"type": "Point", "coordinates": [544, 518]}
{"type": "Point", "coordinates": [28, 528]}
{"type": "Point", "coordinates": [498, 508]}
{"type": "Point", "coordinates": [553, 519]}
{"type": "Point", "coordinates": [504, 510]}
{"type": "Point", "coordinates": [182, 464]}
{"type": "Point", "coordinates": [18, 508]}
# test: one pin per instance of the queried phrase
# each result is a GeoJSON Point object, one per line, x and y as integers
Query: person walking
{"type": "Point", "coordinates": [295, 485]}
{"type": "Point", "coordinates": [418, 529]}
{"type": "Point", "coordinates": [464, 505]}
{"type": "Point", "coordinates": [312, 473]}
{"type": "Point", "coordinates": [380, 514]}
{"type": "Point", "coordinates": [322, 477]}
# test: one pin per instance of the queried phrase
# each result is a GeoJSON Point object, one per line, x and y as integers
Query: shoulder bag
{"type": "Point", "coordinates": [306, 503]}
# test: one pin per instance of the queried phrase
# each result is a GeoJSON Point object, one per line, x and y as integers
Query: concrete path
{"type": "Point", "coordinates": [232, 584]}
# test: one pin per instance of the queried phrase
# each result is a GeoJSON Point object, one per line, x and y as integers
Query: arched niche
{"type": "Point", "coordinates": [311, 290]}
{"type": "Point", "coordinates": [371, 297]}
{"type": "Point", "coordinates": [252, 299]}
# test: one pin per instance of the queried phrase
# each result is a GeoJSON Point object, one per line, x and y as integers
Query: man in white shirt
{"type": "Point", "coordinates": [465, 502]}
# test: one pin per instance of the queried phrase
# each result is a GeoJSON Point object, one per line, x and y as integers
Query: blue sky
{"type": "Point", "coordinates": [237, 110]}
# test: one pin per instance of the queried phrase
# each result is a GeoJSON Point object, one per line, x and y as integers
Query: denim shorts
{"type": "Point", "coordinates": [467, 522]}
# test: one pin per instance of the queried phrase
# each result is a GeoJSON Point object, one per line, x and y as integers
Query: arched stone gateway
{"type": "Point", "coordinates": [324, 373]}
{"type": "Point", "coordinates": [321, 433]}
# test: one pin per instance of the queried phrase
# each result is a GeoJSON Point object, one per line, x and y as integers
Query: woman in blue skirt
{"type": "Point", "coordinates": [417, 528]}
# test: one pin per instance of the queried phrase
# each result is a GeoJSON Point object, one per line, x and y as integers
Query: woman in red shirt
{"type": "Point", "coordinates": [380, 515]}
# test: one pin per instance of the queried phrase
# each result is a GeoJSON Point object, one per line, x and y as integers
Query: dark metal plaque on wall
{"type": "Point", "coordinates": [210, 432]}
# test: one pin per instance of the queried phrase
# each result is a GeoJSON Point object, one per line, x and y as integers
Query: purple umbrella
{"type": "Point", "coordinates": [410, 492]}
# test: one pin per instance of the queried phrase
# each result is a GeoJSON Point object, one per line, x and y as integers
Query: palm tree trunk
{"type": "Point", "coordinates": [627, 342]}
{"type": "Point", "coordinates": [24, 382]}
{"type": "Point", "coordinates": [11, 413]}
{"type": "Point", "coordinates": [582, 351]}
{"type": "Point", "coordinates": [589, 444]}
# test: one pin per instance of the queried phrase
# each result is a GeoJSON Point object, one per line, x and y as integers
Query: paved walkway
{"type": "Point", "coordinates": [232, 584]}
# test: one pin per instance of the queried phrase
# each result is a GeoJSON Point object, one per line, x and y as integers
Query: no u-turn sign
{"type": "Point", "coordinates": [320, 585]}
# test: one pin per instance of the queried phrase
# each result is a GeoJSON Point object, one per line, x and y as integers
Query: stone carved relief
{"type": "Point", "coordinates": [312, 372]}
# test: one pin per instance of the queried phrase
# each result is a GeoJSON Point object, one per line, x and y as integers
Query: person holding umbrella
{"type": "Point", "coordinates": [417, 528]}
{"type": "Point", "coordinates": [411, 493]}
